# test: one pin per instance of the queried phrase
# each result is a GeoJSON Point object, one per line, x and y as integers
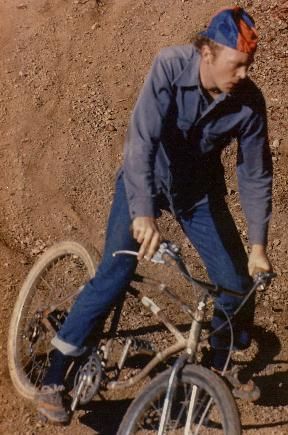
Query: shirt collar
{"type": "Point", "coordinates": [189, 77]}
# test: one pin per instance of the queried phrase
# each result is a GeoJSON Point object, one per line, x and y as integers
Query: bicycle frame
{"type": "Point", "coordinates": [188, 344]}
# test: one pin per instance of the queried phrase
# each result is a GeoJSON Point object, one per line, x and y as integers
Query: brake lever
{"type": "Point", "coordinates": [165, 247]}
{"type": "Point", "coordinates": [262, 279]}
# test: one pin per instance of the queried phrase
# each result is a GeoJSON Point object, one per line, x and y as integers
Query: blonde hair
{"type": "Point", "coordinates": [199, 41]}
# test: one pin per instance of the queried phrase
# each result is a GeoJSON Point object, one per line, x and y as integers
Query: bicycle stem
{"type": "Point", "coordinates": [196, 325]}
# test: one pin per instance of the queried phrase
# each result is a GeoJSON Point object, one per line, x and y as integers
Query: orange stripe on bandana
{"type": "Point", "coordinates": [247, 38]}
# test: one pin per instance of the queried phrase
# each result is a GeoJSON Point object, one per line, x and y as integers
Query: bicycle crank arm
{"type": "Point", "coordinates": [78, 394]}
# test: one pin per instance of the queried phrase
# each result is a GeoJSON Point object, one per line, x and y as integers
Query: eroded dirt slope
{"type": "Point", "coordinates": [70, 74]}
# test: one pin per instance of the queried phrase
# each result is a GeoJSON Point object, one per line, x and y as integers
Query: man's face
{"type": "Point", "coordinates": [227, 68]}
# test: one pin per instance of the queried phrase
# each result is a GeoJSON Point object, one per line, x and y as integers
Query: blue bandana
{"type": "Point", "coordinates": [233, 28]}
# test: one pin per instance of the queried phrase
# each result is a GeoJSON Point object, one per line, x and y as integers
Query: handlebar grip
{"type": "Point", "coordinates": [265, 275]}
{"type": "Point", "coordinates": [124, 252]}
{"type": "Point", "coordinates": [262, 279]}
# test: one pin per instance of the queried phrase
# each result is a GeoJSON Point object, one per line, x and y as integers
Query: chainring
{"type": "Point", "coordinates": [88, 379]}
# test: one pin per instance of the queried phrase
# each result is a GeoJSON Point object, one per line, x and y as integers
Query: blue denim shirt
{"type": "Point", "coordinates": [176, 135]}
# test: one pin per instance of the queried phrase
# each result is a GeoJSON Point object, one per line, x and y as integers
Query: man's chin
{"type": "Point", "coordinates": [232, 87]}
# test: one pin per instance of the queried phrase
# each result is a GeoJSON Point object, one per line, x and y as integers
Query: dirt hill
{"type": "Point", "coordinates": [70, 73]}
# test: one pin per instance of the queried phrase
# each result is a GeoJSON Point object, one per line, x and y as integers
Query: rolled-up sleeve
{"type": "Point", "coordinates": [255, 176]}
{"type": "Point", "coordinates": [143, 137]}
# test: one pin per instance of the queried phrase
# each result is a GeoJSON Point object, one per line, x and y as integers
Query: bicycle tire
{"type": "Point", "coordinates": [134, 420]}
{"type": "Point", "coordinates": [55, 255]}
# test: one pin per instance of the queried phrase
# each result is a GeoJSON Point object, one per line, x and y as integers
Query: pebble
{"type": "Point", "coordinates": [95, 26]}
{"type": "Point", "coordinates": [230, 191]}
{"type": "Point", "coordinates": [276, 143]}
{"type": "Point", "coordinates": [111, 127]}
{"type": "Point", "coordinates": [276, 242]}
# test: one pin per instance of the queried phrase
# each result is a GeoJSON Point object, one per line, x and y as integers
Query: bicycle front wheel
{"type": "Point", "coordinates": [202, 404]}
{"type": "Point", "coordinates": [41, 308]}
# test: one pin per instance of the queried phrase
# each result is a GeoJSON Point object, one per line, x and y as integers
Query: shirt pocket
{"type": "Point", "coordinates": [211, 141]}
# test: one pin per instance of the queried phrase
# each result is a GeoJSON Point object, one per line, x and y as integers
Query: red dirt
{"type": "Point", "coordinates": [71, 71]}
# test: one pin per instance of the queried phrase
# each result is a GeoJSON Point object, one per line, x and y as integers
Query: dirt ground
{"type": "Point", "coordinates": [70, 73]}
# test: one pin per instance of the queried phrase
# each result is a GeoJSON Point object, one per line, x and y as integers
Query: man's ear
{"type": "Point", "coordinates": [206, 53]}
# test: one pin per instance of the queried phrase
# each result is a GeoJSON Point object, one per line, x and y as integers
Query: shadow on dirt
{"type": "Point", "coordinates": [274, 385]}
{"type": "Point", "coordinates": [105, 417]}
{"type": "Point", "coordinates": [263, 426]}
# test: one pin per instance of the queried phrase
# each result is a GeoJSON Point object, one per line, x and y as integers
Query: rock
{"type": "Point", "coordinates": [95, 26]}
{"type": "Point", "coordinates": [230, 191]}
{"type": "Point", "coordinates": [276, 143]}
{"type": "Point", "coordinates": [276, 242]}
{"type": "Point", "coordinates": [111, 127]}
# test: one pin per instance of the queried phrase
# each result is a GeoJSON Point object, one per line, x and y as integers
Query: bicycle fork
{"type": "Point", "coordinates": [177, 368]}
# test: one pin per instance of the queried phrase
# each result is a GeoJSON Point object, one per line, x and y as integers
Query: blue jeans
{"type": "Point", "coordinates": [210, 229]}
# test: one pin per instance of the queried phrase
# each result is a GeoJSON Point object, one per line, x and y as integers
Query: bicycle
{"type": "Point", "coordinates": [209, 402]}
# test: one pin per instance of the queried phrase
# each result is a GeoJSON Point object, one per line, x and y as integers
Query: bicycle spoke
{"type": "Point", "coordinates": [46, 283]}
{"type": "Point", "coordinates": [191, 412]}
{"type": "Point", "coordinates": [191, 409]}
{"type": "Point", "coordinates": [36, 366]}
{"type": "Point", "coordinates": [181, 412]}
{"type": "Point", "coordinates": [41, 372]}
{"type": "Point", "coordinates": [203, 416]}
{"type": "Point", "coordinates": [55, 279]}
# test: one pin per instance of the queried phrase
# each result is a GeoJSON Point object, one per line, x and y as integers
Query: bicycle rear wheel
{"type": "Point", "coordinates": [205, 388]}
{"type": "Point", "coordinates": [41, 307]}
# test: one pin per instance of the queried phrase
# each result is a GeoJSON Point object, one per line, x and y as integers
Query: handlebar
{"type": "Point", "coordinates": [261, 279]}
{"type": "Point", "coordinates": [165, 247]}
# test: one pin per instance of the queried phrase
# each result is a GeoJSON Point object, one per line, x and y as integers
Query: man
{"type": "Point", "coordinates": [195, 99]}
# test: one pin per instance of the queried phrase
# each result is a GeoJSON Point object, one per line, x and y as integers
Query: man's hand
{"type": "Point", "coordinates": [258, 260]}
{"type": "Point", "coordinates": [145, 231]}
